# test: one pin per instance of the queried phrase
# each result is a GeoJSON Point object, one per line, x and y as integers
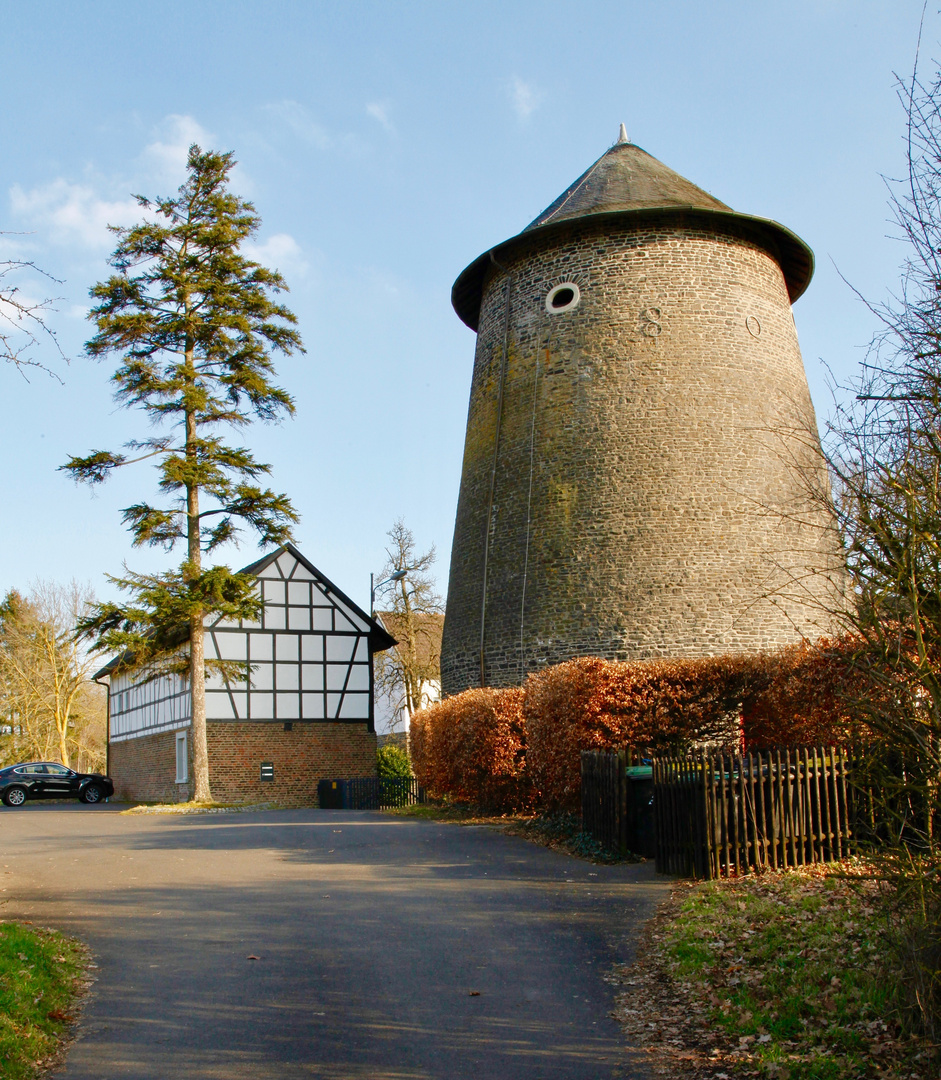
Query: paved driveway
{"type": "Point", "coordinates": [387, 948]}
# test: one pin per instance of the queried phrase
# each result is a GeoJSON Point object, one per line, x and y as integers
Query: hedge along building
{"type": "Point", "coordinates": [308, 713]}
{"type": "Point", "coordinates": [642, 473]}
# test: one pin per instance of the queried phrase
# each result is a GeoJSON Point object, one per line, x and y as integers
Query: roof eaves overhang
{"type": "Point", "coordinates": [793, 256]}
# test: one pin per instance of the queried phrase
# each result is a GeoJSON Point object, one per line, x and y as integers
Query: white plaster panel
{"type": "Point", "coordinates": [336, 676]}
{"type": "Point", "coordinates": [359, 677]}
{"type": "Point", "coordinates": [214, 681]}
{"type": "Point", "coordinates": [299, 593]}
{"type": "Point", "coordinates": [340, 648]}
{"type": "Point", "coordinates": [312, 705]}
{"type": "Point", "coordinates": [263, 677]}
{"type": "Point", "coordinates": [286, 646]}
{"type": "Point", "coordinates": [298, 618]}
{"type": "Point", "coordinates": [312, 676]}
{"type": "Point", "coordinates": [312, 647]}
{"type": "Point", "coordinates": [218, 707]}
{"type": "Point", "coordinates": [352, 616]}
{"type": "Point", "coordinates": [274, 592]}
{"type": "Point", "coordinates": [262, 706]}
{"type": "Point", "coordinates": [232, 644]}
{"type": "Point", "coordinates": [322, 618]}
{"type": "Point", "coordinates": [260, 646]}
{"type": "Point", "coordinates": [355, 707]}
{"type": "Point", "coordinates": [289, 706]}
{"type": "Point", "coordinates": [287, 676]}
{"type": "Point", "coordinates": [274, 618]}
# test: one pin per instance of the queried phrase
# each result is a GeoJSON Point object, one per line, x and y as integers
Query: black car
{"type": "Point", "coordinates": [47, 780]}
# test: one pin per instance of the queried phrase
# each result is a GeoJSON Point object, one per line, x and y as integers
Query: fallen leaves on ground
{"type": "Point", "coordinates": [784, 976]}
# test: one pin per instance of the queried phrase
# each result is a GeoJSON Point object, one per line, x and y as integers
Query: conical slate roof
{"type": "Point", "coordinates": [628, 182]}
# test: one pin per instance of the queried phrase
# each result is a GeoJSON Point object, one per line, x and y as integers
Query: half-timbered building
{"type": "Point", "coordinates": [307, 712]}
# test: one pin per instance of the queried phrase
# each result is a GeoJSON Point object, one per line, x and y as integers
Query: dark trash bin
{"type": "Point", "coordinates": [641, 829]}
{"type": "Point", "coordinates": [332, 795]}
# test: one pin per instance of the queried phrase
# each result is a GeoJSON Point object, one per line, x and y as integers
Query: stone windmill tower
{"type": "Point", "coordinates": [641, 469]}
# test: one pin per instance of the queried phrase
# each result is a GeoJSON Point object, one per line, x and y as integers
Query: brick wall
{"type": "Point", "coordinates": [656, 445]}
{"type": "Point", "coordinates": [301, 757]}
{"type": "Point", "coordinates": [144, 769]}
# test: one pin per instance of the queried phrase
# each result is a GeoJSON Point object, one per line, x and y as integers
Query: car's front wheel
{"type": "Point", "coordinates": [14, 796]}
{"type": "Point", "coordinates": [91, 794]}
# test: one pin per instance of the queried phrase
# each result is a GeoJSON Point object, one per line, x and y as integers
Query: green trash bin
{"type": "Point", "coordinates": [641, 828]}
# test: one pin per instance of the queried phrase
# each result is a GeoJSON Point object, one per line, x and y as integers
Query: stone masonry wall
{"type": "Point", "coordinates": [656, 454]}
{"type": "Point", "coordinates": [144, 769]}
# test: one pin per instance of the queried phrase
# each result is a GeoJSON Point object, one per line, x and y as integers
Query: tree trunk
{"type": "Point", "coordinates": [63, 747]}
{"type": "Point", "coordinates": [201, 790]}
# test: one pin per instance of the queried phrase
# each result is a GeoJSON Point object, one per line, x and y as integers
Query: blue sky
{"type": "Point", "coordinates": [385, 146]}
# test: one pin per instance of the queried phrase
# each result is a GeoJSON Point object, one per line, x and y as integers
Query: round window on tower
{"type": "Point", "coordinates": [562, 298]}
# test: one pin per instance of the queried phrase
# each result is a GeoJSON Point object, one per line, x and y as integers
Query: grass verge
{"type": "Point", "coordinates": [783, 975]}
{"type": "Point", "coordinates": [42, 978]}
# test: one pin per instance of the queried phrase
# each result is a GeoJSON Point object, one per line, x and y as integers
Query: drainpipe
{"type": "Point", "coordinates": [107, 686]}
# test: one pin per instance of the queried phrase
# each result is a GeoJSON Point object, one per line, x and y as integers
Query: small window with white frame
{"type": "Point", "coordinates": [182, 772]}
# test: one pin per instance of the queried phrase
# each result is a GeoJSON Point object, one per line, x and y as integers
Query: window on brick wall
{"type": "Point", "coordinates": [182, 774]}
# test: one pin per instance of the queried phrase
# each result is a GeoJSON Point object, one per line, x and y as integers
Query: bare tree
{"type": "Point", "coordinates": [885, 454]}
{"type": "Point", "coordinates": [23, 320]}
{"type": "Point", "coordinates": [884, 449]}
{"type": "Point", "coordinates": [409, 675]}
{"type": "Point", "coordinates": [51, 708]}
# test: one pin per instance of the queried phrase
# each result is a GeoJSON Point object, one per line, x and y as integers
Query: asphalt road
{"type": "Point", "coordinates": [385, 948]}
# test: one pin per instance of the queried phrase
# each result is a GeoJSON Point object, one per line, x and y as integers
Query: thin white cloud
{"type": "Point", "coordinates": [379, 111]}
{"type": "Point", "coordinates": [524, 97]}
{"type": "Point", "coordinates": [294, 116]}
{"type": "Point", "coordinates": [72, 213]}
{"type": "Point", "coordinates": [280, 252]}
{"type": "Point", "coordinates": [163, 161]}
{"type": "Point", "coordinates": [78, 213]}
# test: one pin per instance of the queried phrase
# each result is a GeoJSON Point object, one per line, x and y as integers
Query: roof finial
{"type": "Point", "coordinates": [622, 135]}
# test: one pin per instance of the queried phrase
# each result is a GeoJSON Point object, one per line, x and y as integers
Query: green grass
{"type": "Point", "coordinates": [40, 981]}
{"type": "Point", "coordinates": [796, 967]}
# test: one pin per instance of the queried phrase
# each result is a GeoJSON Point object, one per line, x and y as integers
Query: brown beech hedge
{"type": "Point", "coordinates": [509, 748]}
{"type": "Point", "coordinates": [471, 746]}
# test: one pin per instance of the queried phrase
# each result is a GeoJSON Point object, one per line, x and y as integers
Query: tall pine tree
{"type": "Point", "coordinates": [195, 325]}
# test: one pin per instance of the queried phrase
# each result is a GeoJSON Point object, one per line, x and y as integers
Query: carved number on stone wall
{"type": "Point", "coordinates": [650, 322]}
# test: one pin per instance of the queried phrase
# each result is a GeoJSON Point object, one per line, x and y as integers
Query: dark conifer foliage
{"type": "Point", "coordinates": [195, 324]}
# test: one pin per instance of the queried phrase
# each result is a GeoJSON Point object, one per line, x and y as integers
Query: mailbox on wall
{"type": "Point", "coordinates": [267, 770]}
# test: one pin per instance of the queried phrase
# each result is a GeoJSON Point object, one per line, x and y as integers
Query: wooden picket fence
{"type": "Point", "coordinates": [723, 814]}
{"type": "Point", "coordinates": [604, 798]}
{"type": "Point", "coordinates": [610, 808]}
{"type": "Point", "coordinates": [720, 814]}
